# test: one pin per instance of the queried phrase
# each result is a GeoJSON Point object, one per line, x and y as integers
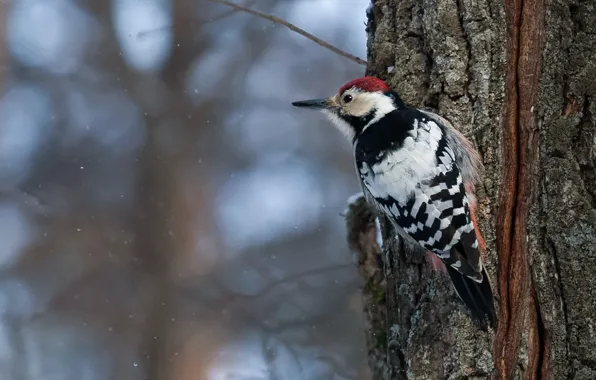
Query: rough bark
{"type": "Point", "coordinates": [519, 79]}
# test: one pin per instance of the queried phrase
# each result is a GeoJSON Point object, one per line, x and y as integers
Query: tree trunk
{"type": "Point", "coordinates": [519, 79]}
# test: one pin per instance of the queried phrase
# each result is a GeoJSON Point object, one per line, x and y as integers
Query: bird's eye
{"type": "Point", "coordinates": [347, 98]}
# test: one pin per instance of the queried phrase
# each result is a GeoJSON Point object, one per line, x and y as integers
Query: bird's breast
{"type": "Point", "coordinates": [397, 172]}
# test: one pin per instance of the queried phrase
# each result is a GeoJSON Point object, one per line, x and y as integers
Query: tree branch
{"type": "Point", "coordinates": [212, 19]}
{"type": "Point", "coordinates": [293, 28]}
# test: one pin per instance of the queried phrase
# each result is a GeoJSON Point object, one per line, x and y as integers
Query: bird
{"type": "Point", "coordinates": [420, 172]}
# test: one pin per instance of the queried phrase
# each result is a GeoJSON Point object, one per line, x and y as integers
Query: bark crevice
{"type": "Point", "coordinates": [558, 280]}
{"type": "Point", "coordinates": [586, 168]}
{"type": "Point", "coordinates": [508, 195]}
{"type": "Point", "coordinates": [525, 23]}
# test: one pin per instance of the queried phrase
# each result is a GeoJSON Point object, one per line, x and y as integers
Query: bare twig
{"type": "Point", "coordinates": [293, 28]}
{"type": "Point", "coordinates": [215, 18]}
{"type": "Point", "coordinates": [147, 33]}
{"type": "Point", "coordinates": [229, 12]}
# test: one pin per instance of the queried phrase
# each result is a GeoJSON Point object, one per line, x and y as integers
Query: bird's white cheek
{"type": "Point", "coordinates": [340, 124]}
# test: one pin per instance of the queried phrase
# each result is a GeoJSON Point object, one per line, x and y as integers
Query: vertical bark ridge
{"type": "Point", "coordinates": [508, 189]}
{"type": "Point", "coordinates": [518, 306]}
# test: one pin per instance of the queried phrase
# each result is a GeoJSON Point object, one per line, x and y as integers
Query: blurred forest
{"type": "Point", "coordinates": [164, 213]}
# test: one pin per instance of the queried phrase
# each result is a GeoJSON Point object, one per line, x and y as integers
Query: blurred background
{"type": "Point", "coordinates": [164, 212]}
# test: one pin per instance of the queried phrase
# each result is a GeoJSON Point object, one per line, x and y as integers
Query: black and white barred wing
{"type": "Point", "coordinates": [421, 190]}
{"type": "Point", "coordinates": [466, 157]}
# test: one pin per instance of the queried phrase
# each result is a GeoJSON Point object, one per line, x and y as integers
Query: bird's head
{"type": "Point", "coordinates": [358, 104]}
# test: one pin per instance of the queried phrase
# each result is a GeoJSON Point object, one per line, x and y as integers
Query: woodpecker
{"type": "Point", "coordinates": [419, 171]}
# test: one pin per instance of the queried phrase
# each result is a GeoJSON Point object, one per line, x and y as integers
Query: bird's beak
{"type": "Point", "coordinates": [314, 103]}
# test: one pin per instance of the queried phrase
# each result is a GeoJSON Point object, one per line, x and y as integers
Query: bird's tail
{"type": "Point", "coordinates": [477, 296]}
